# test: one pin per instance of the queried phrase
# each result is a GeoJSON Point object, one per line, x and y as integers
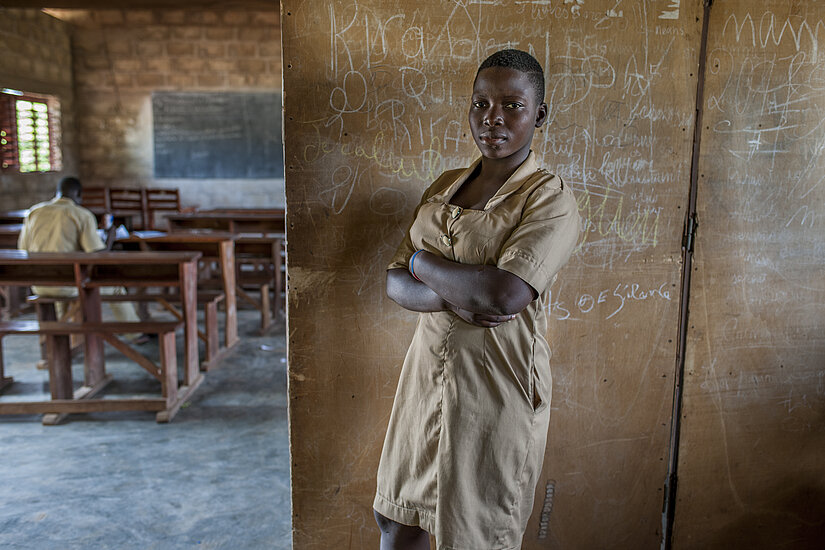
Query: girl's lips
{"type": "Point", "coordinates": [493, 139]}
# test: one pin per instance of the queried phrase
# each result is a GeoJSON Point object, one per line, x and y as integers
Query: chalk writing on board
{"type": "Point", "coordinates": [771, 31]}
{"type": "Point", "coordinates": [613, 13]}
{"type": "Point", "coordinates": [769, 107]}
{"type": "Point", "coordinates": [607, 302]}
{"type": "Point", "coordinates": [394, 112]}
{"type": "Point", "coordinates": [576, 5]}
{"type": "Point", "coordinates": [672, 10]}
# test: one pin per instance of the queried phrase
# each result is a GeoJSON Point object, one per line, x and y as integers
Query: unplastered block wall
{"type": "Point", "coordinates": [36, 58]}
{"type": "Point", "coordinates": [122, 56]}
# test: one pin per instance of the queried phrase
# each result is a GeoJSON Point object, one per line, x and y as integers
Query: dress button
{"type": "Point", "coordinates": [446, 240]}
{"type": "Point", "coordinates": [456, 212]}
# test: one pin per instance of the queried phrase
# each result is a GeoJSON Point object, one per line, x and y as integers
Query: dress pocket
{"type": "Point", "coordinates": [538, 398]}
{"type": "Point", "coordinates": [539, 389]}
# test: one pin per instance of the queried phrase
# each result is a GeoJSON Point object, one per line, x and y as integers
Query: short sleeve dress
{"type": "Point", "coordinates": [468, 428]}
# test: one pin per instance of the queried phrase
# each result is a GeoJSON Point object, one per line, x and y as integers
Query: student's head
{"type": "Point", "coordinates": [522, 62]}
{"type": "Point", "coordinates": [70, 188]}
{"type": "Point", "coordinates": [507, 104]}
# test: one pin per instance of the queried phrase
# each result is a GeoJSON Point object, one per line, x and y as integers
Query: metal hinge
{"type": "Point", "coordinates": [690, 233]}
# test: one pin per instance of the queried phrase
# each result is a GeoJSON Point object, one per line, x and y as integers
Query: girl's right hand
{"type": "Point", "coordinates": [481, 319]}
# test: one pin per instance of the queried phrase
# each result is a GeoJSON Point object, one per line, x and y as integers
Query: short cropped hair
{"type": "Point", "coordinates": [70, 186]}
{"type": "Point", "coordinates": [520, 61]}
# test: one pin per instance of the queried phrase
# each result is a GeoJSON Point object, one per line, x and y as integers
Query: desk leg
{"type": "Point", "coordinates": [60, 365]}
{"type": "Point", "coordinates": [95, 369]}
{"type": "Point", "coordinates": [5, 381]}
{"type": "Point", "coordinates": [45, 312]}
{"type": "Point", "coordinates": [229, 304]}
{"type": "Point", "coordinates": [189, 304]}
{"type": "Point", "coordinates": [266, 309]}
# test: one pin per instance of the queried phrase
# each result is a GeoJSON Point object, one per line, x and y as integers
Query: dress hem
{"type": "Point", "coordinates": [406, 515]}
{"type": "Point", "coordinates": [416, 517]}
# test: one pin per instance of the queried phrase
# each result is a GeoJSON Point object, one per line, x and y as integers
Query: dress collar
{"type": "Point", "coordinates": [513, 183]}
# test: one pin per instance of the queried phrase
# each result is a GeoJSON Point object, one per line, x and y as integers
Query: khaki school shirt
{"type": "Point", "coordinates": [59, 225]}
{"type": "Point", "coordinates": [469, 423]}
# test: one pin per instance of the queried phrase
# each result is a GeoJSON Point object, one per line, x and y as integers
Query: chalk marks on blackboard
{"type": "Point", "coordinates": [607, 302]}
{"type": "Point", "coordinates": [804, 216]}
{"type": "Point", "coordinates": [354, 86]}
{"type": "Point", "coordinates": [393, 114]}
{"type": "Point", "coordinates": [672, 10]}
{"type": "Point", "coordinates": [344, 178]}
{"type": "Point", "coordinates": [425, 166]}
{"type": "Point", "coordinates": [766, 99]}
{"type": "Point", "coordinates": [388, 201]}
{"type": "Point", "coordinates": [603, 210]}
{"type": "Point", "coordinates": [771, 31]}
{"type": "Point", "coordinates": [575, 5]}
{"type": "Point", "coordinates": [614, 12]}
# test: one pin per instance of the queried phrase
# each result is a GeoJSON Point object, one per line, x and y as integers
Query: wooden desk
{"type": "Point", "coordinates": [265, 251]}
{"type": "Point", "coordinates": [12, 299]}
{"type": "Point", "coordinates": [232, 221]}
{"type": "Point", "coordinates": [213, 247]}
{"type": "Point", "coordinates": [88, 273]}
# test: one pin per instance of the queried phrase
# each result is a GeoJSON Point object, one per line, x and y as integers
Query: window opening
{"type": "Point", "coordinates": [29, 132]}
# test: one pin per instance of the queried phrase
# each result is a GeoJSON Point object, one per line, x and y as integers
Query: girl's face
{"type": "Point", "coordinates": [504, 113]}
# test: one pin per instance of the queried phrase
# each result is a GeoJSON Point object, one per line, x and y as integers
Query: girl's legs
{"type": "Point", "coordinates": [396, 536]}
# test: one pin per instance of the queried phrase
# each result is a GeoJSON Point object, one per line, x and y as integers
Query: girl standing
{"type": "Point", "coordinates": [468, 429]}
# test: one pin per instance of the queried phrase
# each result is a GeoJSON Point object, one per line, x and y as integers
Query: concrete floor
{"type": "Point", "coordinates": [216, 477]}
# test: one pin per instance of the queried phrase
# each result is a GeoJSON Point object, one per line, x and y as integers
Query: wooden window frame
{"type": "Point", "coordinates": [9, 151]}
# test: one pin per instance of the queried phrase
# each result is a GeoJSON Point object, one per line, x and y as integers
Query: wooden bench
{"type": "Point", "coordinates": [210, 299]}
{"type": "Point", "coordinates": [217, 253]}
{"type": "Point", "coordinates": [89, 273]}
{"type": "Point", "coordinates": [12, 216]}
{"type": "Point", "coordinates": [127, 204]}
{"type": "Point", "coordinates": [12, 301]}
{"type": "Point", "coordinates": [46, 311]}
{"type": "Point", "coordinates": [65, 400]}
{"type": "Point", "coordinates": [10, 234]}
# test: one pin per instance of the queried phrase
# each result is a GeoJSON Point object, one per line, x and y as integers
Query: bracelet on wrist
{"type": "Point", "coordinates": [412, 264]}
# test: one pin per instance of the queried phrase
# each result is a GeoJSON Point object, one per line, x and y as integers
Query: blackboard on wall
{"type": "Point", "coordinates": [217, 135]}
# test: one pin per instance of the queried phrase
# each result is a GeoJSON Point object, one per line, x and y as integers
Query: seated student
{"type": "Point", "coordinates": [62, 225]}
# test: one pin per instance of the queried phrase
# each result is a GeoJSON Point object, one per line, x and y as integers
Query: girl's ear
{"type": "Point", "coordinates": [541, 114]}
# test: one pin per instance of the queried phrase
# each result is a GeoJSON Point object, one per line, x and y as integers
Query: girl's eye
{"type": "Point", "coordinates": [514, 105]}
{"type": "Point", "coordinates": [479, 104]}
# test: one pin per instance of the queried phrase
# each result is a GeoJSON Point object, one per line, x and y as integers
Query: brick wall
{"type": "Point", "coordinates": [122, 56]}
{"type": "Point", "coordinates": [37, 58]}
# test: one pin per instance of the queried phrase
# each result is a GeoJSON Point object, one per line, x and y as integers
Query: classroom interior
{"type": "Point", "coordinates": [687, 330]}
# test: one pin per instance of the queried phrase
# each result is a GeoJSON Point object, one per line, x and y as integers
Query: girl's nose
{"type": "Point", "coordinates": [493, 118]}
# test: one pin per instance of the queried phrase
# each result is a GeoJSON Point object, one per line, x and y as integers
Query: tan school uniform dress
{"type": "Point", "coordinates": [468, 429]}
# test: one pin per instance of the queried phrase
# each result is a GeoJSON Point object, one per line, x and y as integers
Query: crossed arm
{"type": "Point", "coordinates": [482, 295]}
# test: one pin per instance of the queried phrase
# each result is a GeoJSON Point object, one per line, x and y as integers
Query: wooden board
{"type": "Point", "coordinates": [753, 437]}
{"type": "Point", "coordinates": [375, 97]}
